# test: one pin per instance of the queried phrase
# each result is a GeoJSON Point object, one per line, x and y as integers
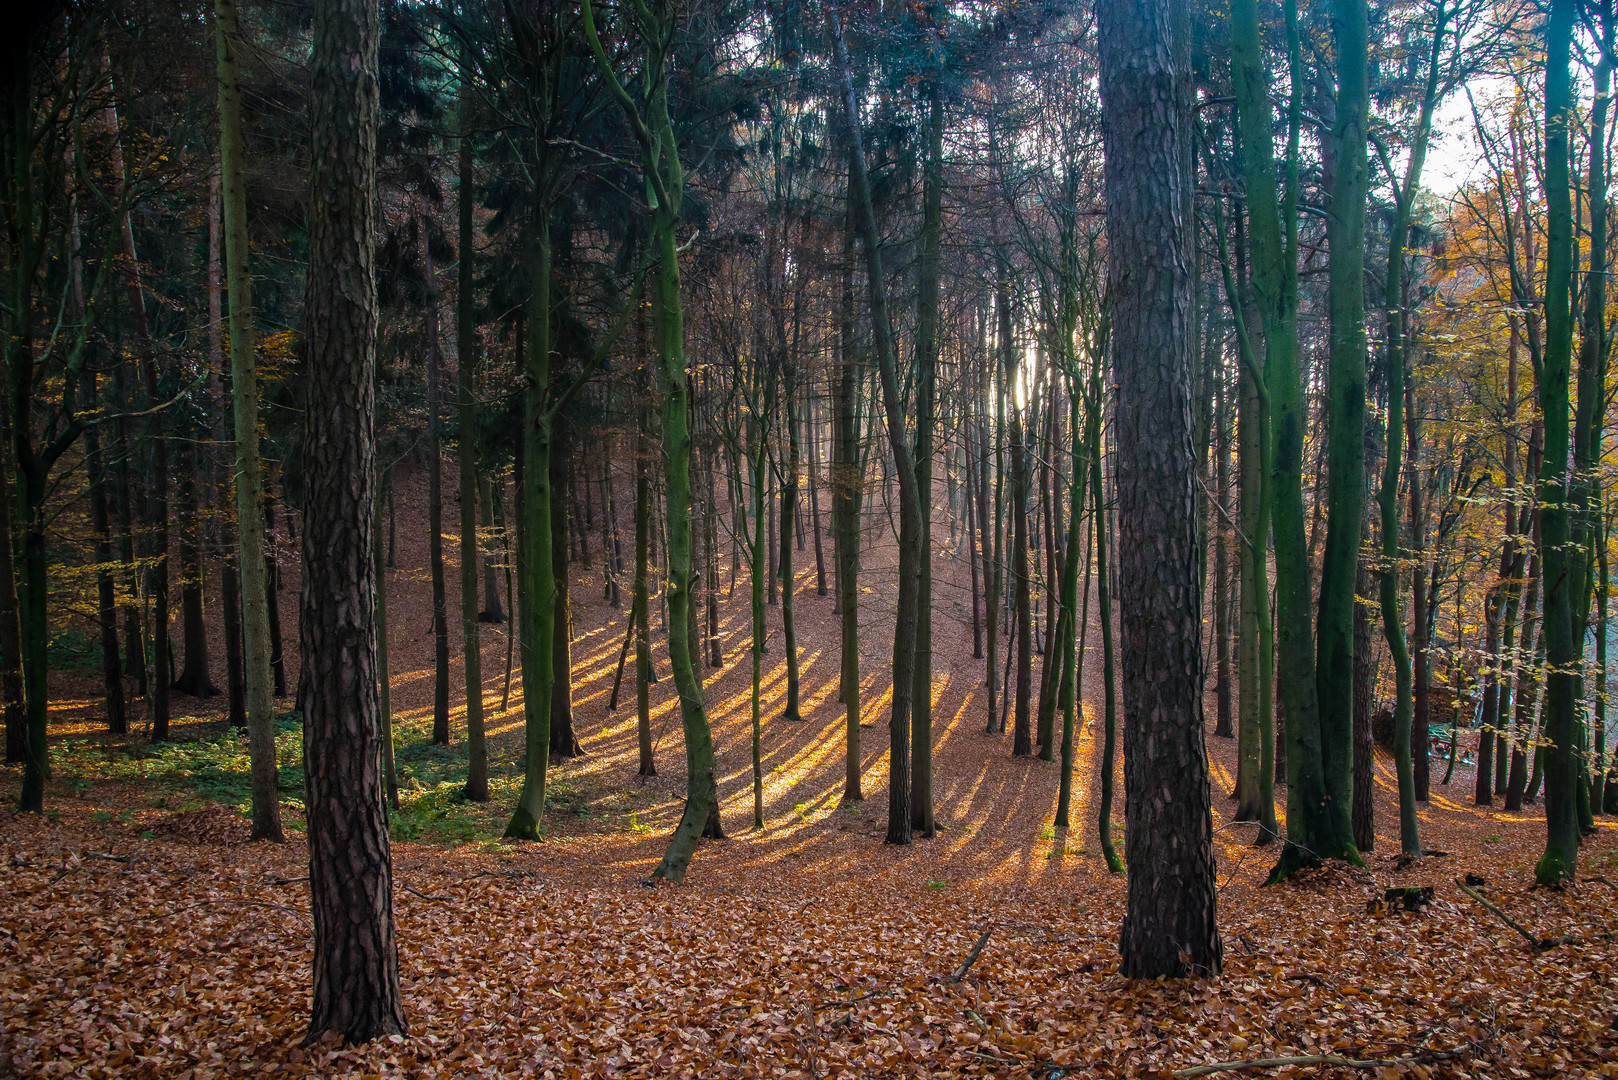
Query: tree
{"type": "Point", "coordinates": [244, 400]}
{"type": "Point", "coordinates": [650, 120]}
{"type": "Point", "coordinates": [1562, 649]}
{"type": "Point", "coordinates": [1170, 927]}
{"type": "Point", "coordinates": [477, 780]}
{"type": "Point", "coordinates": [356, 968]}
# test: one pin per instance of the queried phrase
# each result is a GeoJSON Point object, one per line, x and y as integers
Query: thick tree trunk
{"type": "Point", "coordinates": [1145, 80]}
{"type": "Point", "coordinates": [356, 971]}
{"type": "Point", "coordinates": [1334, 663]}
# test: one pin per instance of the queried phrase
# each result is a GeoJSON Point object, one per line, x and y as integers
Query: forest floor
{"type": "Point", "coordinates": [142, 936]}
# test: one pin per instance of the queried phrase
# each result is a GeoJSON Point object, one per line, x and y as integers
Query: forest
{"type": "Point", "coordinates": [808, 538]}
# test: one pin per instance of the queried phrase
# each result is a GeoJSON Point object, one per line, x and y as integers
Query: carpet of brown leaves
{"type": "Point", "coordinates": [807, 949]}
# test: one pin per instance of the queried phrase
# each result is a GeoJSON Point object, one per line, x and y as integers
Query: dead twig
{"type": "Point", "coordinates": [972, 957]}
{"type": "Point", "coordinates": [413, 891]}
{"type": "Point", "coordinates": [276, 879]}
{"type": "Point", "coordinates": [1319, 1059]}
{"type": "Point", "coordinates": [1536, 942]}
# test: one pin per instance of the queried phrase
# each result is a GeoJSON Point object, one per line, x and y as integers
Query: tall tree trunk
{"type": "Point", "coordinates": [928, 276]}
{"type": "Point", "coordinates": [1224, 726]}
{"type": "Point", "coordinates": [493, 610]}
{"type": "Point", "coordinates": [812, 430]}
{"type": "Point", "coordinates": [847, 486]}
{"type": "Point", "coordinates": [1146, 91]}
{"type": "Point", "coordinates": [384, 685]}
{"type": "Point", "coordinates": [640, 601]}
{"type": "Point", "coordinates": [477, 778]}
{"type": "Point", "coordinates": [157, 507]}
{"type": "Point", "coordinates": [1363, 817]}
{"type": "Point", "coordinates": [356, 970]}
{"type": "Point", "coordinates": [223, 537]}
{"type": "Point", "coordinates": [536, 599]}
{"type": "Point", "coordinates": [563, 741]}
{"type": "Point", "coordinates": [11, 670]}
{"type": "Point", "coordinates": [1334, 665]}
{"type": "Point", "coordinates": [272, 593]}
{"type": "Point", "coordinates": [194, 679]}
{"type": "Point", "coordinates": [1022, 742]}
{"type": "Point", "coordinates": [435, 501]}
{"type": "Point", "coordinates": [789, 589]}
{"type": "Point", "coordinates": [1351, 166]}
{"type": "Point", "coordinates": [1317, 825]}
{"type": "Point", "coordinates": [910, 529]}
{"type": "Point", "coordinates": [258, 606]}
{"type": "Point", "coordinates": [1589, 526]}
{"type": "Point", "coordinates": [1560, 862]}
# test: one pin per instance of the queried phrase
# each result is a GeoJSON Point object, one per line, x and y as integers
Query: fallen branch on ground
{"type": "Point", "coordinates": [972, 957]}
{"type": "Point", "coordinates": [1319, 1059]}
{"type": "Point", "coordinates": [1536, 942]}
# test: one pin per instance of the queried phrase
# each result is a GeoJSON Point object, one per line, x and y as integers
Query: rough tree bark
{"type": "Point", "coordinates": [1146, 93]}
{"type": "Point", "coordinates": [356, 970]}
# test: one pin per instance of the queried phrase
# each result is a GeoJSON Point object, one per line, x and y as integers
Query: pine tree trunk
{"type": "Point", "coordinates": [11, 672]}
{"type": "Point", "coordinates": [356, 972]}
{"type": "Point", "coordinates": [156, 511]}
{"type": "Point", "coordinates": [435, 502]}
{"type": "Point", "coordinates": [477, 778]}
{"type": "Point", "coordinates": [563, 741]}
{"type": "Point", "coordinates": [1022, 743]}
{"type": "Point", "coordinates": [1146, 91]}
{"type": "Point", "coordinates": [536, 591]}
{"type": "Point", "coordinates": [926, 377]}
{"type": "Point", "coordinates": [789, 511]}
{"type": "Point", "coordinates": [640, 601]}
{"type": "Point", "coordinates": [493, 610]}
{"type": "Point", "coordinates": [847, 483]}
{"type": "Point", "coordinates": [194, 679]}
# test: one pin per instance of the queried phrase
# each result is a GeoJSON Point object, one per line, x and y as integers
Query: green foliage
{"type": "Point", "coordinates": [213, 768]}
{"type": "Point", "coordinates": [75, 651]}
